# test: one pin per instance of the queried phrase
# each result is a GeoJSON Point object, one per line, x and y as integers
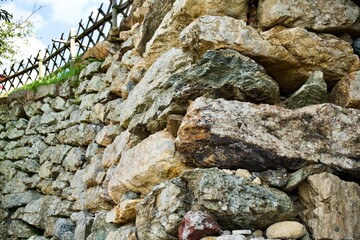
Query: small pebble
{"type": "Point", "coordinates": [241, 232]}
{"type": "Point", "coordinates": [226, 232]}
{"type": "Point", "coordinates": [258, 233]}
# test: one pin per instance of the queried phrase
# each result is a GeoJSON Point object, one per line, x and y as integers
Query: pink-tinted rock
{"type": "Point", "coordinates": [196, 225]}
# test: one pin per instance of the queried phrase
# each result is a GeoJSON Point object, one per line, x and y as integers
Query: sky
{"type": "Point", "coordinates": [54, 18]}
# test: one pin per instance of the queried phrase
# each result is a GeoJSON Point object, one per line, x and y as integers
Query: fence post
{"type": "Point", "coordinates": [41, 64]}
{"type": "Point", "coordinates": [72, 46]}
{"type": "Point", "coordinates": [114, 14]}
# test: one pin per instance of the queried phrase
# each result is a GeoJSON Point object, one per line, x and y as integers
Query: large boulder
{"type": "Point", "coordinates": [182, 14]}
{"type": "Point", "coordinates": [289, 55]}
{"type": "Point", "coordinates": [222, 73]}
{"type": "Point", "coordinates": [331, 207]}
{"type": "Point", "coordinates": [152, 161]}
{"type": "Point", "coordinates": [232, 134]}
{"type": "Point", "coordinates": [234, 203]}
{"type": "Point", "coordinates": [320, 16]}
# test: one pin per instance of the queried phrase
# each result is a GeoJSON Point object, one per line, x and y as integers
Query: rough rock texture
{"type": "Point", "coordinates": [127, 232]}
{"type": "Point", "coordinates": [286, 229]}
{"type": "Point", "coordinates": [289, 62]}
{"type": "Point", "coordinates": [196, 225]}
{"type": "Point", "coordinates": [124, 212]}
{"type": "Point", "coordinates": [100, 51]}
{"type": "Point", "coordinates": [223, 73]}
{"type": "Point", "coordinates": [319, 16]}
{"type": "Point", "coordinates": [346, 92]}
{"type": "Point", "coordinates": [138, 105]}
{"type": "Point", "coordinates": [229, 199]}
{"type": "Point", "coordinates": [182, 14]}
{"type": "Point", "coordinates": [231, 134]}
{"type": "Point", "coordinates": [331, 207]}
{"type": "Point", "coordinates": [314, 91]}
{"type": "Point", "coordinates": [147, 164]}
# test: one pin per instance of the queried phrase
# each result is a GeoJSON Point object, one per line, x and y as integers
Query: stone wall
{"type": "Point", "coordinates": [233, 118]}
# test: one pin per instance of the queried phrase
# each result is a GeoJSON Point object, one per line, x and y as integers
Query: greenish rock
{"type": "Point", "coordinates": [79, 135]}
{"type": "Point", "coordinates": [100, 228]}
{"type": "Point", "coordinates": [27, 165]}
{"type": "Point", "coordinates": [48, 118]}
{"type": "Point", "coordinates": [20, 229]}
{"type": "Point", "coordinates": [296, 178]}
{"type": "Point", "coordinates": [33, 108]}
{"type": "Point", "coordinates": [7, 169]}
{"type": "Point", "coordinates": [235, 203]}
{"type": "Point", "coordinates": [33, 124]}
{"type": "Point", "coordinates": [19, 199]}
{"type": "Point", "coordinates": [36, 212]}
{"type": "Point", "coordinates": [55, 154]}
{"type": "Point", "coordinates": [14, 133]}
{"type": "Point", "coordinates": [18, 153]}
{"type": "Point", "coordinates": [314, 91]}
{"type": "Point", "coordinates": [220, 74]}
{"type": "Point", "coordinates": [64, 229]}
{"type": "Point", "coordinates": [17, 182]}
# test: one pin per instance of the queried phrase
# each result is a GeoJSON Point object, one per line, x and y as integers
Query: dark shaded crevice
{"type": "Point", "coordinates": [252, 19]}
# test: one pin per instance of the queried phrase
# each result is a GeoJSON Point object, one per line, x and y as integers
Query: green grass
{"type": "Point", "coordinates": [59, 76]}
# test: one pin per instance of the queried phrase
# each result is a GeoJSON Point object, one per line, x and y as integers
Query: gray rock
{"type": "Point", "coordinates": [55, 154]}
{"type": "Point", "coordinates": [46, 91]}
{"type": "Point", "coordinates": [232, 134]}
{"type": "Point", "coordinates": [80, 116]}
{"type": "Point", "coordinates": [233, 202]}
{"type": "Point", "coordinates": [94, 173]}
{"type": "Point", "coordinates": [96, 84]}
{"type": "Point", "coordinates": [36, 212]}
{"type": "Point", "coordinates": [101, 228]}
{"type": "Point", "coordinates": [58, 104]}
{"type": "Point", "coordinates": [119, 80]}
{"type": "Point", "coordinates": [79, 135]}
{"type": "Point", "coordinates": [19, 199]}
{"type": "Point", "coordinates": [48, 118]}
{"type": "Point", "coordinates": [314, 91]}
{"type": "Point", "coordinates": [84, 222]}
{"type": "Point", "coordinates": [18, 153]}
{"type": "Point", "coordinates": [74, 159]}
{"type": "Point", "coordinates": [64, 229]}
{"type": "Point", "coordinates": [127, 232]}
{"type": "Point", "coordinates": [32, 108]}
{"type": "Point", "coordinates": [97, 199]}
{"type": "Point", "coordinates": [14, 179]}
{"type": "Point", "coordinates": [15, 133]}
{"type": "Point", "coordinates": [275, 178]}
{"type": "Point", "coordinates": [90, 70]}
{"type": "Point", "coordinates": [28, 165]}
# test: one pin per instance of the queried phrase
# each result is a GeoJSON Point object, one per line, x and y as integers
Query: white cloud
{"type": "Point", "coordinates": [71, 11]}
{"type": "Point", "coordinates": [20, 13]}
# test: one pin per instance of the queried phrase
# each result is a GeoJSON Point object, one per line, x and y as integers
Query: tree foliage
{"type": "Point", "coordinates": [10, 30]}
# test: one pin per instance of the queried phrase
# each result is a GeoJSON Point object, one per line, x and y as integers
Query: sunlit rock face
{"type": "Point", "coordinates": [206, 117]}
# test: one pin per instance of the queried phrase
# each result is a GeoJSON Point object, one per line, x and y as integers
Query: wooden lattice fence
{"type": "Point", "coordinates": [57, 54]}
